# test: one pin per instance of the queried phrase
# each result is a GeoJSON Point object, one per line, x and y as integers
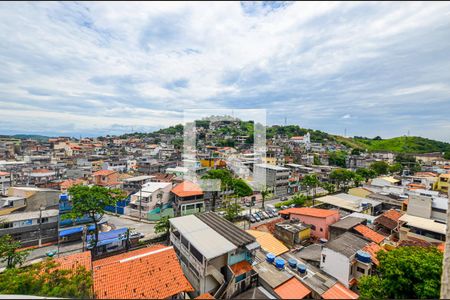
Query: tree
{"type": "Point", "coordinates": [366, 173]}
{"type": "Point", "coordinates": [329, 187]}
{"type": "Point", "coordinates": [241, 188]}
{"type": "Point", "coordinates": [316, 160]}
{"type": "Point", "coordinates": [163, 226]}
{"type": "Point", "coordinates": [380, 167]}
{"type": "Point", "coordinates": [265, 192]}
{"type": "Point", "coordinates": [46, 279]}
{"type": "Point", "coordinates": [409, 161]}
{"type": "Point", "coordinates": [396, 168]}
{"type": "Point", "coordinates": [342, 178]}
{"type": "Point", "coordinates": [311, 182]}
{"type": "Point", "coordinates": [91, 201]}
{"type": "Point", "coordinates": [232, 210]}
{"type": "Point", "coordinates": [357, 179]}
{"type": "Point", "coordinates": [9, 252]}
{"type": "Point", "coordinates": [356, 151]}
{"type": "Point", "coordinates": [337, 158]}
{"type": "Point", "coordinates": [298, 199]}
{"type": "Point", "coordinates": [447, 155]}
{"type": "Point", "coordinates": [405, 272]}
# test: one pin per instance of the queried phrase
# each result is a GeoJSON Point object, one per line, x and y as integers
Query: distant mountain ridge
{"type": "Point", "coordinates": [404, 144]}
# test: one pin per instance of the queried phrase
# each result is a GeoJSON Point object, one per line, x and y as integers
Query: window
{"type": "Point", "coordinates": [321, 229]}
{"type": "Point", "coordinates": [313, 227]}
{"type": "Point", "coordinates": [44, 220]}
{"type": "Point", "coordinates": [323, 257]}
{"type": "Point", "coordinates": [360, 270]}
{"type": "Point", "coordinates": [6, 225]}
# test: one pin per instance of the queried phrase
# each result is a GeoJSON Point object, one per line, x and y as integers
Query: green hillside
{"type": "Point", "coordinates": [413, 144]}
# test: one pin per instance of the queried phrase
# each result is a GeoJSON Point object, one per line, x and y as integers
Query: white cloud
{"type": "Point", "coordinates": [115, 61]}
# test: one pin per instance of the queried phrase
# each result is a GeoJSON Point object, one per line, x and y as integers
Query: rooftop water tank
{"type": "Point", "coordinates": [301, 268]}
{"type": "Point", "coordinates": [270, 257]}
{"type": "Point", "coordinates": [279, 263]}
{"type": "Point", "coordinates": [323, 241]}
{"type": "Point", "coordinates": [292, 263]}
{"type": "Point", "coordinates": [363, 256]}
{"type": "Point", "coordinates": [63, 197]}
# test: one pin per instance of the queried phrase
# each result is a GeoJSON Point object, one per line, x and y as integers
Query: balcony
{"type": "Point", "coordinates": [193, 261]}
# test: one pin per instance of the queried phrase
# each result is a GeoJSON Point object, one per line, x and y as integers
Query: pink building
{"type": "Point", "coordinates": [319, 219]}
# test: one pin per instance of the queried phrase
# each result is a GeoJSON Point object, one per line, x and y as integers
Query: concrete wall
{"type": "Point", "coordinates": [321, 225]}
{"type": "Point", "coordinates": [336, 264]}
{"type": "Point", "coordinates": [419, 206]}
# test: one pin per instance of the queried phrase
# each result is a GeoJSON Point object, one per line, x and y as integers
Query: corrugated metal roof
{"type": "Point", "coordinates": [206, 240]}
{"type": "Point", "coordinates": [228, 230]}
{"type": "Point", "coordinates": [424, 223]}
{"type": "Point", "coordinates": [268, 242]}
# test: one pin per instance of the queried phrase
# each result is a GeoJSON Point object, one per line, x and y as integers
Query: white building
{"type": "Point", "coordinates": [152, 195]}
{"type": "Point", "coordinates": [345, 259]}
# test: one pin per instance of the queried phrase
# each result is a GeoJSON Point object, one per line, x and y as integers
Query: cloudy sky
{"type": "Point", "coordinates": [97, 68]}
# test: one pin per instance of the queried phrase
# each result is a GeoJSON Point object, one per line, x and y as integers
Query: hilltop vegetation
{"type": "Point", "coordinates": [404, 144]}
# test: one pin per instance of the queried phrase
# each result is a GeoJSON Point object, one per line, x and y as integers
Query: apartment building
{"type": "Point", "coordinates": [215, 255]}
{"type": "Point", "coordinates": [273, 177]}
{"type": "Point", "coordinates": [31, 228]}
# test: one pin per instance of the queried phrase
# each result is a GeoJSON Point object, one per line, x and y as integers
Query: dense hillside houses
{"type": "Point", "coordinates": [305, 219]}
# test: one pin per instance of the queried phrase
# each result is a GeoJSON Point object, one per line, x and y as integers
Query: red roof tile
{"type": "Point", "coordinates": [338, 291]}
{"type": "Point", "coordinates": [187, 189]}
{"type": "Point", "coordinates": [104, 173]}
{"type": "Point", "coordinates": [369, 233]}
{"type": "Point", "coordinates": [241, 267]}
{"type": "Point", "coordinates": [205, 296]}
{"type": "Point", "coordinates": [392, 214]}
{"type": "Point", "coordinates": [373, 249]}
{"type": "Point", "coordinates": [151, 274]}
{"type": "Point", "coordinates": [73, 261]}
{"type": "Point", "coordinates": [4, 173]}
{"type": "Point", "coordinates": [292, 289]}
{"type": "Point", "coordinates": [310, 211]}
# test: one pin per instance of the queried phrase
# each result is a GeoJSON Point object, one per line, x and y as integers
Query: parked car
{"type": "Point", "coordinates": [284, 207]}
{"type": "Point", "coordinates": [257, 217]}
{"type": "Point", "coordinates": [265, 214]}
{"type": "Point", "coordinates": [270, 213]}
{"type": "Point", "coordinates": [251, 218]}
{"type": "Point", "coordinates": [292, 205]}
{"type": "Point", "coordinates": [261, 215]}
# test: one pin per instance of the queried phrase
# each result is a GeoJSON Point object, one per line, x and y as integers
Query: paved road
{"type": "Point", "coordinates": [147, 229]}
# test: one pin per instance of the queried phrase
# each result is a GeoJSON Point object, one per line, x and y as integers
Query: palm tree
{"type": "Point", "coordinates": [264, 193]}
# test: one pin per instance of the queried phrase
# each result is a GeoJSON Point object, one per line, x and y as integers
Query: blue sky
{"type": "Point", "coordinates": [97, 68]}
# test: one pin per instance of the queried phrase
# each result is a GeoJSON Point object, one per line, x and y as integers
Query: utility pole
{"type": "Point", "coordinates": [140, 203]}
{"type": "Point", "coordinates": [40, 225]}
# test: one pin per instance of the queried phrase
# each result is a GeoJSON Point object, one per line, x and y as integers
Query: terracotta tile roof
{"type": "Point", "coordinates": [241, 267]}
{"type": "Point", "coordinates": [41, 171]}
{"type": "Point", "coordinates": [431, 174]}
{"type": "Point", "coordinates": [393, 214]}
{"type": "Point", "coordinates": [104, 173]}
{"type": "Point", "coordinates": [310, 211]}
{"type": "Point", "coordinates": [186, 189]}
{"type": "Point", "coordinates": [4, 173]}
{"type": "Point", "coordinates": [73, 261]}
{"type": "Point", "coordinates": [205, 296]}
{"type": "Point", "coordinates": [373, 249]}
{"type": "Point", "coordinates": [338, 291]}
{"type": "Point", "coordinates": [70, 182]}
{"type": "Point", "coordinates": [369, 233]}
{"type": "Point", "coordinates": [268, 242]}
{"type": "Point", "coordinates": [268, 227]}
{"type": "Point", "coordinates": [154, 274]}
{"type": "Point", "coordinates": [389, 219]}
{"type": "Point", "coordinates": [292, 289]}
{"type": "Point", "coordinates": [115, 258]}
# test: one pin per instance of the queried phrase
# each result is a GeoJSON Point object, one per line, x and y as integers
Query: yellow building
{"type": "Point", "coordinates": [270, 160]}
{"type": "Point", "coordinates": [443, 183]}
